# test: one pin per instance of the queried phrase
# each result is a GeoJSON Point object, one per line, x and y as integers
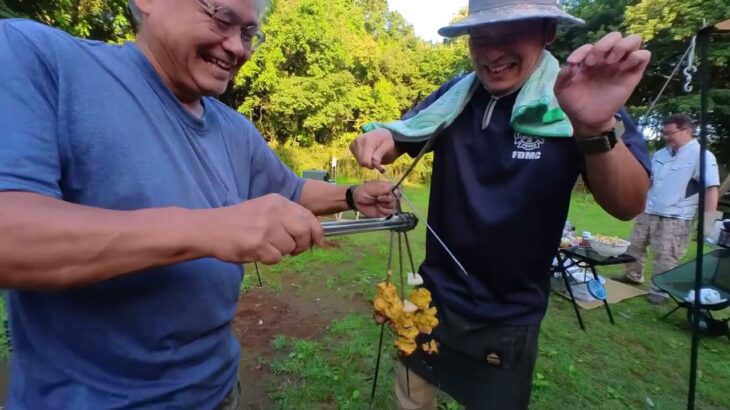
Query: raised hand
{"type": "Point", "coordinates": [598, 79]}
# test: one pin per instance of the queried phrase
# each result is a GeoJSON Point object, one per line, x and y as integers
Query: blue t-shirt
{"type": "Point", "coordinates": [93, 124]}
{"type": "Point", "coordinates": [499, 200]}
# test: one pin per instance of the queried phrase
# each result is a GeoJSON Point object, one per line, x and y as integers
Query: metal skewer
{"type": "Point", "coordinates": [426, 148]}
{"type": "Point", "coordinates": [430, 229]}
{"type": "Point", "coordinates": [382, 327]}
{"type": "Point", "coordinates": [258, 274]}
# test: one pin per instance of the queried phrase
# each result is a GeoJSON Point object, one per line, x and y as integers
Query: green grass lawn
{"type": "Point", "coordinates": [641, 362]}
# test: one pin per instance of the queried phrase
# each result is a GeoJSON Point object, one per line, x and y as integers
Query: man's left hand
{"type": "Point", "coordinates": [375, 199]}
{"type": "Point", "coordinates": [598, 79]}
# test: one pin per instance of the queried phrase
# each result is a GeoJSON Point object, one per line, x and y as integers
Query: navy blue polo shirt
{"type": "Point", "coordinates": [499, 200]}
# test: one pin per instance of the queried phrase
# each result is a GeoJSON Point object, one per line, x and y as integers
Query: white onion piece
{"type": "Point", "coordinates": [414, 279]}
{"type": "Point", "coordinates": [409, 307]}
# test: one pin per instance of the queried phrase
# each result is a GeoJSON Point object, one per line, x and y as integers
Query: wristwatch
{"type": "Point", "coordinates": [349, 197]}
{"type": "Point", "coordinates": [603, 142]}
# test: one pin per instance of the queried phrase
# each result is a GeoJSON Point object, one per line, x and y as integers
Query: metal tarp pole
{"type": "Point", "coordinates": [702, 39]}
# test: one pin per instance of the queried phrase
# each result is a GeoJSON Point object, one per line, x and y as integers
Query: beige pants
{"type": "Point", "coordinates": [422, 393]}
{"type": "Point", "coordinates": [668, 238]}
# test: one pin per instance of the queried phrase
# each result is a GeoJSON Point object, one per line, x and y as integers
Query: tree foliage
{"type": "Point", "coordinates": [5, 11]}
{"type": "Point", "coordinates": [668, 27]}
{"type": "Point", "coordinates": [330, 66]}
{"type": "Point", "coordinates": [99, 19]}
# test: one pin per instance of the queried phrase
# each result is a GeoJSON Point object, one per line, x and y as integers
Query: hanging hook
{"type": "Point", "coordinates": [691, 67]}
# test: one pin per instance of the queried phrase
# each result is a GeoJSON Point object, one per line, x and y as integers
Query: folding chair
{"type": "Point", "coordinates": [677, 282]}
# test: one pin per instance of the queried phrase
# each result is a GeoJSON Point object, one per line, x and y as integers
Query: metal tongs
{"type": "Point", "coordinates": [400, 222]}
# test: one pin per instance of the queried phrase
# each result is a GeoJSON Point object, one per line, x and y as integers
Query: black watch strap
{"type": "Point", "coordinates": [596, 145]}
{"type": "Point", "coordinates": [603, 142]}
{"type": "Point", "coordinates": [350, 198]}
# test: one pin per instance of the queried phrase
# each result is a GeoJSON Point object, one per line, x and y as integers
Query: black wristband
{"type": "Point", "coordinates": [604, 142]}
{"type": "Point", "coordinates": [597, 145]}
{"type": "Point", "coordinates": [349, 197]}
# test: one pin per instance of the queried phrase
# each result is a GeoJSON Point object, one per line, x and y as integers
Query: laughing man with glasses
{"type": "Point", "coordinates": [129, 200]}
{"type": "Point", "coordinates": [517, 133]}
{"type": "Point", "coordinates": [671, 204]}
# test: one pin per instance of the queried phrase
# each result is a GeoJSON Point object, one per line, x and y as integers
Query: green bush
{"type": "Point", "coordinates": [318, 156]}
{"type": "Point", "coordinates": [5, 11]}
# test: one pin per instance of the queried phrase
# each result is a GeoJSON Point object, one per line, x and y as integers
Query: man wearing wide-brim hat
{"type": "Point", "coordinates": [517, 133]}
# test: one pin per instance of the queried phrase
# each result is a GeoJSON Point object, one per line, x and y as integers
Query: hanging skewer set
{"type": "Point", "coordinates": [409, 317]}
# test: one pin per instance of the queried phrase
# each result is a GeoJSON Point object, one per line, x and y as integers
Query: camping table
{"type": "Point", "coordinates": [587, 258]}
{"type": "Point", "coordinates": [677, 282]}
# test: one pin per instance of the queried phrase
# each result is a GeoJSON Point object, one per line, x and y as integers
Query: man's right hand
{"type": "Point", "coordinates": [264, 230]}
{"type": "Point", "coordinates": [375, 149]}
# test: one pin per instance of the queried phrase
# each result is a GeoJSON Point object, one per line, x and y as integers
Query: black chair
{"type": "Point", "coordinates": [677, 282]}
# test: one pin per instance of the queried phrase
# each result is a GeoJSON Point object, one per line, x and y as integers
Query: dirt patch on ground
{"type": "Point", "coordinates": [300, 311]}
{"type": "Point", "coordinates": [330, 244]}
{"type": "Point", "coordinates": [262, 314]}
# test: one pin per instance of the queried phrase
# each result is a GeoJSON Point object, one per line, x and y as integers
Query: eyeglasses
{"type": "Point", "coordinates": [506, 37]}
{"type": "Point", "coordinates": [480, 42]}
{"type": "Point", "coordinates": [669, 134]}
{"type": "Point", "coordinates": [227, 24]}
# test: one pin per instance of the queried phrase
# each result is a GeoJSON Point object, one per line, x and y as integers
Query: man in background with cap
{"type": "Point", "coordinates": [500, 197]}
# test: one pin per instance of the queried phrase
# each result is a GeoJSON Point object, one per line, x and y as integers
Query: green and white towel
{"type": "Point", "coordinates": [536, 111]}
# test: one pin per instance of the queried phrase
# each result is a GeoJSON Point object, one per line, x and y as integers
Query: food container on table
{"type": "Point", "coordinates": [609, 246]}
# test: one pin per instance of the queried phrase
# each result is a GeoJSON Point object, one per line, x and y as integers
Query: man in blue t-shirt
{"type": "Point", "coordinates": [129, 199]}
{"type": "Point", "coordinates": [499, 197]}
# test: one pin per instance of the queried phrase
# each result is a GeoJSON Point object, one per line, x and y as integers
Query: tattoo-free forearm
{"type": "Point", "coordinates": [323, 198]}
{"type": "Point", "coordinates": [618, 182]}
{"type": "Point", "coordinates": [52, 244]}
{"type": "Point", "coordinates": [711, 199]}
